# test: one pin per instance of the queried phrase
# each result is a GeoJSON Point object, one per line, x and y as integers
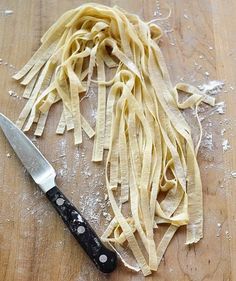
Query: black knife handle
{"type": "Point", "coordinates": [103, 258]}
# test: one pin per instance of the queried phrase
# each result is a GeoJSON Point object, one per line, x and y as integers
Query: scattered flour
{"type": "Point", "coordinates": [158, 9]}
{"type": "Point", "coordinates": [225, 145]}
{"type": "Point", "coordinates": [219, 228]}
{"type": "Point", "coordinates": [222, 131]}
{"type": "Point", "coordinates": [186, 16]}
{"type": "Point", "coordinates": [207, 141]}
{"type": "Point", "coordinates": [220, 107]}
{"type": "Point", "coordinates": [6, 12]}
{"type": "Point", "coordinates": [228, 236]}
{"type": "Point", "coordinates": [63, 171]}
{"type": "Point", "coordinates": [12, 93]}
{"type": "Point", "coordinates": [212, 88]}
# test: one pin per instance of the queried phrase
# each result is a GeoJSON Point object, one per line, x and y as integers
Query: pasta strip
{"type": "Point", "coordinates": [100, 123]}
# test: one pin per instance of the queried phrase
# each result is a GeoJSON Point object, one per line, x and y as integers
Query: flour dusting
{"type": "Point", "coordinates": [225, 145]}
{"type": "Point", "coordinates": [222, 132]}
{"type": "Point", "coordinates": [219, 228]}
{"type": "Point", "coordinates": [207, 141]}
{"type": "Point", "coordinates": [220, 107]}
{"type": "Point", "coordinates": [6, 12]}
{"type": "Point", "coordinates": [212, 87]}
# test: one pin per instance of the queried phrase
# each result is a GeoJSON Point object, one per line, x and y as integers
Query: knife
{"type": "Point", "coordinates": [44, 175]}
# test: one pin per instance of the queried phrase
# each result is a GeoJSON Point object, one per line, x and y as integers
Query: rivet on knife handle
{"type": "Point", "coordinates": [103, 258]}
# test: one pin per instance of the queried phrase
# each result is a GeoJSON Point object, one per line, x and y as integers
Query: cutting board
{"type": "Point", "coordinates": [199, 45]}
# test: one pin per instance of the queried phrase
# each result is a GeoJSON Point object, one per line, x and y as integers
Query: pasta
{"type": "Point", "coordinates": [139, 121]}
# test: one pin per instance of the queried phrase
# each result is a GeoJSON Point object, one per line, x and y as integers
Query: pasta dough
{"type": "Point", "coordinates": [151, 153]}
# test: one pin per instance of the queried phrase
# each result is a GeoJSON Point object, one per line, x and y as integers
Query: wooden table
{"type": "Point", "coordinates": [199, 45]}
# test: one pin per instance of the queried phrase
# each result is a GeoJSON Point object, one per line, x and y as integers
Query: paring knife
{"type": "Point", "coordinates": [44, 175]}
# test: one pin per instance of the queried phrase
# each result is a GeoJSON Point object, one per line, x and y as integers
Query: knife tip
{"type": "Point", "coordinates": [2, 117]}
{"type": "Point", "coordinates": [3, 120]}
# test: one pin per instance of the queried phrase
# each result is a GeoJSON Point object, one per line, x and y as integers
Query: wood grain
{"type": "Point", "coordinates": [34, 245]}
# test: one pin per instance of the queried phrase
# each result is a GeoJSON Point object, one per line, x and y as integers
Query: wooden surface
{"type": "Point", "coordinates": [34, 245]}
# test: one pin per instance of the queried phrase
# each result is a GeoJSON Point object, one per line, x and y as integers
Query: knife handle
{"type": "Point", "coordinates": [104, 259]}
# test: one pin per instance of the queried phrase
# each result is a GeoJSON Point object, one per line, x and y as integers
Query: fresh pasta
{"type": "Point", "coordinates": [151, 153]}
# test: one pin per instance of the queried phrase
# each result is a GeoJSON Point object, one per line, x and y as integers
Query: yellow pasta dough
{"type": "Point", "coordinates": [151, 153]}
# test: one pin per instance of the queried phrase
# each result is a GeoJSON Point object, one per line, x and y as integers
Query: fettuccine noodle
{"type": "Point", "coordinates": [139, 121]}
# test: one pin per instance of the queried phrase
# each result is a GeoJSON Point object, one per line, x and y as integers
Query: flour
{"type": "Point", "coordinates": [207, 141]}
{"type": "Point", "coordinates": [107, 216]}
{"type": "Point", "coordinates": [212, 87]}
{"type": "Point", "coordinates": [158, 10]}
{"type": "Point", "coordinates": [186, 16]}
{"type": "Point", "coordinates": [13, 94]}
{"type": "Point", "coordinates": [222, 132]}
{"type": "Point", "coordinates": [219, 228]}
{"type": "Point", "coordinates": [8, 155]}
{"type": "Point", "coordinates": [227, 234]}
{"type": "Point", "coordinates": [6, 12]}
{"type": "Point", "coordinates": [89, 208]}
{"type": "Point", "coordinates": [225, 145]}
{"type": "Point", "coordinates": [220, 107]}
{"type": "Point", "coordinates": [9, 67]}
{"type": "Point", "coordinates": [63, 171]}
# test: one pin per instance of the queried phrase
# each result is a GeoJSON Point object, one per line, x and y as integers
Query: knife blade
{"type": "Point", "coordinates": [35, 163]}
{"type": "Point", "coordinates": [44, 175]}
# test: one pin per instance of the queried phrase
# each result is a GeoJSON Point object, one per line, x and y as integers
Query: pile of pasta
{"type": "Point", "coordinates": [152, 174]}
